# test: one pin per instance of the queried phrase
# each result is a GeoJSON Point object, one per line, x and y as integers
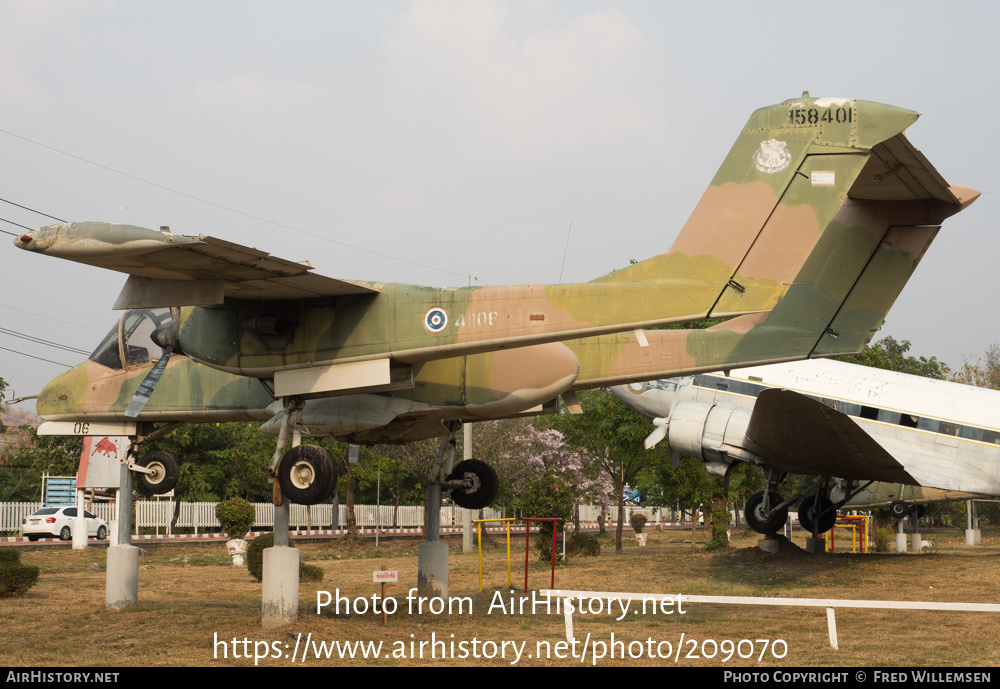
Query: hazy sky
{"type": "Point", "coordinates": [432, 141]}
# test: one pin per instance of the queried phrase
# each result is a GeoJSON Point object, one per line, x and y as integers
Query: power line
{"type": "Point", "coordinates": [32, 313]}
{"type": "Point", "coordinates": [15, 224]}
{"type": "Point", "coordinates": [31, 356]}
{"type": "Point", "coordinates": [32, 210]}
{"type": "Point", "coordinates": [48, 343]}
{"type": "Point", "coordinates": [233, 210]}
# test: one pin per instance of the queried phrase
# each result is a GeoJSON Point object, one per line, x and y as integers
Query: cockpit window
{"type": "Point", "coordinates": [130, 339]}
{"type": "Point", "coordinates": [107, 353]}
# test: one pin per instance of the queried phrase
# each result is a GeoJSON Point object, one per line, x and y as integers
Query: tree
{"type": "Point", "coordinates": [613, 435]}
{"type": "Point", "coordinates": [983, 372]}
{"type": "Point", "coordinates": [889, 354]}
{"type": "Point", "coordinates": [547, 458]}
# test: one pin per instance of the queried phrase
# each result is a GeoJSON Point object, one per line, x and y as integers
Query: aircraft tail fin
{"type": "Point", "coordinates": [842, 287]}
{"type": "Point", "coordinates": [784, 180]}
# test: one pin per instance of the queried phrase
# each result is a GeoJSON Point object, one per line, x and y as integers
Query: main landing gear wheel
{"type": "Point", "coordinates": [766, 524]}
{"type": "Point", "coordinates": [165, 473]}
{"type": "Point", "coordinates": [898, 509]}
{"type": "Point", "coordinates": [814, 505]}
{"type": "Point", "coordinates": [485, 484]}
{"type": "Point", "coordinates": [307, 475]}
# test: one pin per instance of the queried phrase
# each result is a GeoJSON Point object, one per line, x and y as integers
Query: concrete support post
{"type": "Point", "coordinates": [79, 524]}
{"type": "Point", "coordinates": [121, 588]}
{"type": "Point", "coordinates": [973, 536]}
{"type": "Point", "coordinates": [280, 594]}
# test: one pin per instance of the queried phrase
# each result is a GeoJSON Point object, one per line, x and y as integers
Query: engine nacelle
{"type": "Point", "coordinates": [713, 433]}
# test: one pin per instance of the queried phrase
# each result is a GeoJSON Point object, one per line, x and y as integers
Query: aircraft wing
{"type": "Point", "coordinates": [803, 436]}
{"type": "Point", "coordinates": [166, 269]}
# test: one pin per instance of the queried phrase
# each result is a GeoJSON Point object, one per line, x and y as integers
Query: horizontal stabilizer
{"type": "Point", "coordinates": [803, 436]}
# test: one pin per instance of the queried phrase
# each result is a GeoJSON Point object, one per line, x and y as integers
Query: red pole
{"type": "Point", "coordinates": [527, 549]}
{"type": "Point", "coordinates": [553, 584]}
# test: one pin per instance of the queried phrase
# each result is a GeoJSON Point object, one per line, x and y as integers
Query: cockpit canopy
{"type": "Point", "coordinates": [129, 344]}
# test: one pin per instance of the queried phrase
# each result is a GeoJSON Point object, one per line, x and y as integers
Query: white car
{"type": "Point", "coordinates": [59, 521]}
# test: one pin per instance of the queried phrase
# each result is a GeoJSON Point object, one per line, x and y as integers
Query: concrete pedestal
{"type": "Point", "coordinates": [901, 543]}
{"type": "Point", "coordinates": [973, 537]}
{"type": "Point", "coordinates": [916, 542]}
{"type": "Point", "coordinates": [280, 594]}
{"type": "Point", "coordinates": [121, 590]}
{"type": "Point", "coordinates": [815, 545]}
{"type": "Point", "coordinates": [770, 543]}
{"type": "Point", "coordinates": [432, 570]}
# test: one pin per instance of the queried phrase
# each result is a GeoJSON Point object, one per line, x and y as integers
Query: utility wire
{"type": "Point", "coordinates": [39, 340]}
{"type": "Point", "coordinates": [86, 327]}
{"type": "Point", "coordinates": [233, 210]}
{"type": "Point", "coordinates": [15, 351]}
{"type": "Point", "coordinates": [15, 224]}
{"type": "Point", "coordinates": [32, 210]}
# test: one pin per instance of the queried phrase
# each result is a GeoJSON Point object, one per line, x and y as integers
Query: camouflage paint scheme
{"type": "Point", "coordinates": [806, 235]}
{"type": "Point", "coordinates": [882, 494]}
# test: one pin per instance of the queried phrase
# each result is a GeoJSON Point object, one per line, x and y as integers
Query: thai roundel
{"type": "Point", "coordinates": [436, 320]}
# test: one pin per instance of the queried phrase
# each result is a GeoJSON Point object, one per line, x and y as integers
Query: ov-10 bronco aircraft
{"type": "Point", "coordinates": [803, 240]}
{"type": "Point", "coordinates": [941, 440]}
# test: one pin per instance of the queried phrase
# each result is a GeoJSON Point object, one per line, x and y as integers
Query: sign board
{"type": "Point", "coordinates": [59, 491]}
{"type": "Point", "coordinates": [385, 576]}
{"type": "Point", "coordinates": [101, 461]}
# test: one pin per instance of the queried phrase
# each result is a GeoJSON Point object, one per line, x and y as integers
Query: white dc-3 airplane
{"type": "Point", "coordinates": [867, 427]}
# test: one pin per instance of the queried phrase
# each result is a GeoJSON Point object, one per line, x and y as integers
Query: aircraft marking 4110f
{"type": "Point", "coordinates": [804, 238]}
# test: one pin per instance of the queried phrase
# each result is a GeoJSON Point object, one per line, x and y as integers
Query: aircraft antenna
{"type": "Point", "coordinates": [565, 251]}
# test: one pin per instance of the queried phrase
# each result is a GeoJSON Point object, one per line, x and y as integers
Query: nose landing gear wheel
{"type": "Point", "coordinates": [165, 473]}
{"type": "Point", "coordinates": [760, 522]}
{"type": "Point", "coordinates": [307, 474]}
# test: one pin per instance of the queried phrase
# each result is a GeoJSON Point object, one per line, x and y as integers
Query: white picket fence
{"type": "Point", "coordinates": [200, 516]}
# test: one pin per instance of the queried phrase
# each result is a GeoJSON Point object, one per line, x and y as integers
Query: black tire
{"type": "Point", "coordinates": [33, 537]}
{"type": "Point", "coordinates": [480, 496]}
{"type": "Point", "coordinates": [807, 513]}
{"type": "Point", "coordinates": [65, 534]}
{"type": "Point", "coordinates": [307, 475]}
{"type": "Point", "coordinates": [899, 509]}
{"type": "Point", "coordinates": [165, 473]}
{"type": "Point", "coordinates": [761, 523]}
{"type": "Point", "coordinates": [102, 533]}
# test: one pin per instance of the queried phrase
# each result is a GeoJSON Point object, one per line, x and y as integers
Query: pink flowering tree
{"type": "Point", "coordinates": [555, 478]}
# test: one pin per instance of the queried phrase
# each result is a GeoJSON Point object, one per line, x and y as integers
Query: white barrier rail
{"type": "Point", "coordinates": [829, 603]}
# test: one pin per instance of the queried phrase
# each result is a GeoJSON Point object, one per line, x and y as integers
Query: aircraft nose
{"type": "Point", "coordinates": [57, 395]}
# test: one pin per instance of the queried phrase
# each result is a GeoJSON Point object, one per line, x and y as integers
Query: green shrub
{"type": "Point", "coordinates": [638, 521]}
{"type": "Point", "coordinates": [15, 578]}
{"type": "Point", "coordinates": [255, 559]}
{"type": "Point", "coordinates": [309, 572]}
{"type": "Point", "coordinates": [236, 516]}
{"type": "Point", "coordinates": [884, 538]}
{"type": "Point", "coordinates": [583, 544]}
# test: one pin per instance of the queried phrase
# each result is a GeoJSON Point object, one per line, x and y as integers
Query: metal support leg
{"type": "Point", "coordinates": [432, 556]}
